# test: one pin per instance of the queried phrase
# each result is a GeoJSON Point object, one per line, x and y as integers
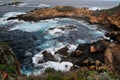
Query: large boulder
{"type": "Point", "coordinates": [63, 51]}
{"type": "Point", "coordinates": [112, 56]}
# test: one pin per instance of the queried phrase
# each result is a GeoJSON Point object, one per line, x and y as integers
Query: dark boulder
{"type": "Point", "coordinates": [63, 51]}
{"type": "Point", "coordinates": [47, 56]}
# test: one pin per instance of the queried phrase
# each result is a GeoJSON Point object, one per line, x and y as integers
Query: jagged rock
{"type": "Point", "coordinates": [87, 58]}
{"type": "Point", "coordinates": [47, 56]}
{"type": "Point", "coordinates": [63, 51]}
{"type": "Point", "coordinates": [112, 56]}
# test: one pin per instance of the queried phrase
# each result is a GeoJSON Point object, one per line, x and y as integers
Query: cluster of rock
{"type": "Point", "coordinates": [96, 56]}
{"type": "Point", "coordinates": [105, 19]}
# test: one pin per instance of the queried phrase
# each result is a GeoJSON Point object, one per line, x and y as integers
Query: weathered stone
{"type": "Point", "coordinates": [92, 49]}
{"type": "Point", "coordinates": [47, 56]}
{"type": "Point", "coordinates": [63, 51]}
{"type": "Point", "coordinates": [112, 57]}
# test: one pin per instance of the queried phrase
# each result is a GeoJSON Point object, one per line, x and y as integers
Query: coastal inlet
{"type": "Point", "coordinates": [34, 41]}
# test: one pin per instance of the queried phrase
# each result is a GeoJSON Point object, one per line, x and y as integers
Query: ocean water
{"type": "Point", "coordinates": [53, 39]}
{"type": "Point", "coordinates": [81, 3]}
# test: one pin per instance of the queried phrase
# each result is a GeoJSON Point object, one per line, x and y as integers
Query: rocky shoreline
{"type": "Point", "coordinates": [95, 56]}
{"type": "Point", "coordinates": [101, 48]}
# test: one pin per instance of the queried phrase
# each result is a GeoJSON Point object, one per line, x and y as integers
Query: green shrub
{"type": "Point", "coordinates": [65, 9]}
{"type": "Point", "coordinates": [50, 70]}
{"type": "Point", "coordinates": [7, 68]}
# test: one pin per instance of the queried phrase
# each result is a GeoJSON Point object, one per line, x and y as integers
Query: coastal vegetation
{"type": "Point", "coordinates": [65, 9]}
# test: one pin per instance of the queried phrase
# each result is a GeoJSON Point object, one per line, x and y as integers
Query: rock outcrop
{"type": "Point", "coordinates": [48, 13]}
{"type": "Point", "coordinates": [112, 56]}
{"type": "Point", "coordinates": [103, 17]}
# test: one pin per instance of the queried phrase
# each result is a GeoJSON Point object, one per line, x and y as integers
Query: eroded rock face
{"type": "Point", "coordinates": [113, 21]}
{"type": "Point", "coordinates": [8, 59]}
{"type": "Point", "coordinates": [112, 56]}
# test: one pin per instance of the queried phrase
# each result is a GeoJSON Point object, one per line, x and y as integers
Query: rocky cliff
{"type": "Point", "coordinates": [9, 64]}
{"type": "Point", "coordinates": [109, 17]}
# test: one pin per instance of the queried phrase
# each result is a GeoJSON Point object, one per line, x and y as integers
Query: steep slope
{"type": "Point", "coordinates": [9, 64]}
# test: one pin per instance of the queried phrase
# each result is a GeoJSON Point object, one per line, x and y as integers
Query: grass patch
{"type": "Point", "coordinates": [65, 9]}
{"type": "Point", "coordinates": [7, 68]}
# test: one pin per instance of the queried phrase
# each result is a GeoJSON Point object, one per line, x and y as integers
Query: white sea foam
{"type": "Point", "coordinates": [34, 26]}
{"type": "Point", "coordinates": [37, 58]}
{"type": "Point", "coordinates": [12, 14]}
{"type": "Point", "coordinates": [72, 47]}
{"type": "Point", "coordinates": [22, 4]}
{"type": "Point", "coordinates": [63, 66]}
{"type": "Point", "coordinates": [81, 41]}
{"type": "Point", "coordinates": [94, 8]}
{"type": "Point", "coordinates": [3, 19]}
{"type": "Point", "coordinates": [43, 5]}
